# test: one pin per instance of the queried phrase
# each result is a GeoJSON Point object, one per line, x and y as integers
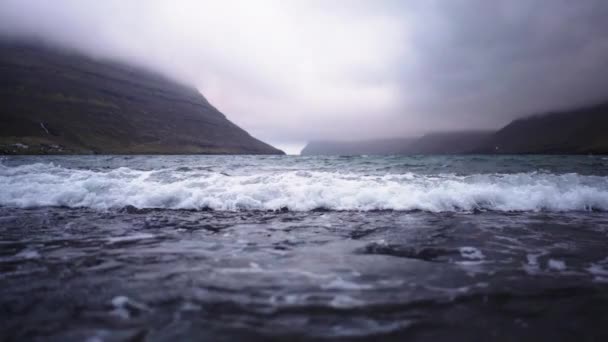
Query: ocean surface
{"type": "Point", "coordinates": [263, 248]}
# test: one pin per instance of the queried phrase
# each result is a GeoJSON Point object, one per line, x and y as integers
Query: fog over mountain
{"type": "Point", "coordinates": [56, 101]}
{"type": "Point", "coordinates": [293, 71]}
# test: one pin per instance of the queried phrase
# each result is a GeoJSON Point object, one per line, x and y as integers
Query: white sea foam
{"type": "Point", "coordinates": [341, 284]}
{"type": "Point", "coordinates": [36, 185]}
{"type": "Point", "coordinates": [129, 238]}
{"type": "Point", "coordinates": [471, 253]}
{"type": "Point", "coordinates": [345, 302]}
{"type": "Point", "coordinates": [28, 254]}
{"type": "Point", "coordinates": [556, 265]}
{"type": "Point", "coordinates": [599, 270]}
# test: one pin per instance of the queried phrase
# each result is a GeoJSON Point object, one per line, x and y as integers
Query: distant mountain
{"type": "Point", "coordinates": [433, 143]}
{"type": "Point", "coordinates": [57, 101]}
{"type": "Point", "coordinates": [457, 142]}
{"type": "Point", "coordinates": [579, 131]}
{"type": "Point", "coordinates": [378, 147]}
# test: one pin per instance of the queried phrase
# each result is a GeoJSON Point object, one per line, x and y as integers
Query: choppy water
{"type": "Point", "coordinates": [120, 248]}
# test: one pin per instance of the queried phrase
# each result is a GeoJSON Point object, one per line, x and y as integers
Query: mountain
{"type": "Point", "coordinates": [379, 147]}
{"type": "Point", "coordinates": [579, 131]}
{"type": "Point", "coordinates": [457, 142]}
{"type": "Point", "coordinates": [432, 143]}
{"type": "Point", "coordinates": [59, 101]}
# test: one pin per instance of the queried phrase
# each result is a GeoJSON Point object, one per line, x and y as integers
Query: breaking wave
{"type": "Point", "coordinates": [37, 185]}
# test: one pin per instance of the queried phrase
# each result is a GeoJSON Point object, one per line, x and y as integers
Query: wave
{"type": "Point", "coordinates": [37, 185]}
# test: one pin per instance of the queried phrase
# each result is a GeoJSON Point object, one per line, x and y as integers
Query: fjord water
{"type": "Point", "coordinates": [273, 247]}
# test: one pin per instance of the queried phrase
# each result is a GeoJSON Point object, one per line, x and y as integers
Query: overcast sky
{"type": "Point", "coordinates": [293, 71]}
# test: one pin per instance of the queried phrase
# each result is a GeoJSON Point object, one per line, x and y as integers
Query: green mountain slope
{"type": "Point", "coordinates": [578, 131]}
{"type": "Point", "coordinates": [55, 101]}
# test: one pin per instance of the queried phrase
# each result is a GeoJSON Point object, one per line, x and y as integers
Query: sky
{"type": "Point", "coordinates": [292, 71]}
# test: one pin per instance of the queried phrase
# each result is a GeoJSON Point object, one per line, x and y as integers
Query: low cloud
{"type": "Point", "coordinates": [290, 71]}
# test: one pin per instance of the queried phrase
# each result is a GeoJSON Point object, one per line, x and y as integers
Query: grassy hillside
{"type": "Point", "coordinates": [578, 131]}
{"type": "Point", "coordinates": [55, 101]}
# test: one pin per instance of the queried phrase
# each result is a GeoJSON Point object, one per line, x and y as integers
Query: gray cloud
{"type": "Point", "coordinates": [493, 61]}
{"type": "Point", "coordinates": [290, 71]}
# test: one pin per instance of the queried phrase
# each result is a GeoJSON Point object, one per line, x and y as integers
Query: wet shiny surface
{"type": "Point", "coordinates": [421, 248]}
{"type": "Point", "coordinates": [131, 274]}
{"type": "Point", "coordinates": [368, 165]}
{"type": "Point", "coordinates": [248, 183]}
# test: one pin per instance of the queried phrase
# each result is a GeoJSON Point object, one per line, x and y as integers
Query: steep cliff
{"type": "Point", "coordinates": [57, 101]}
{"type": "Point", "coordinates": [579, 131]}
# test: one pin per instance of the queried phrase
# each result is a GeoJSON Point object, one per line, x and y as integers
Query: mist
{"type": "Point", "coordinates": [293, 71]}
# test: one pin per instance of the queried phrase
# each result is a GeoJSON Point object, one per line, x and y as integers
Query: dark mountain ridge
{"type": "Point", "coordinates": [577, 131]}
{"type": "Point", "coordinates": [432, 143]}
{"type": "Point", "coordinates": [58, 101]}
{"type": "Point", "coordinates": [457, 142]}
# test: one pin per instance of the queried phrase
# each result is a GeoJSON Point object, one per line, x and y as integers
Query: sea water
{"type": "Point", "coordinates": [276, 247]}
